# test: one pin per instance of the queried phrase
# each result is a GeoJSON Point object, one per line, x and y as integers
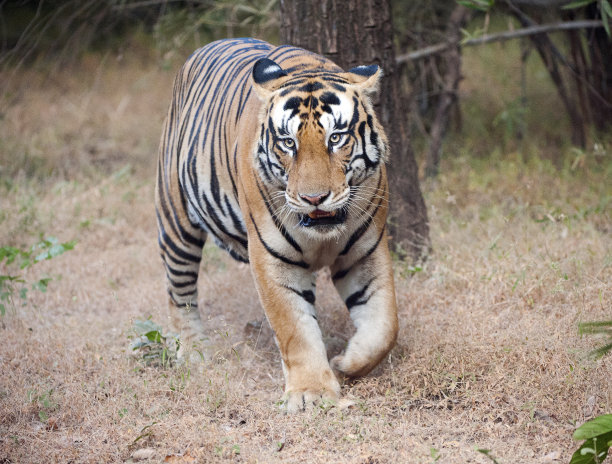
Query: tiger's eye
{"type": "Point", "coordinates": [289, 143]}
{"type": "Point", "coordinates": [334, 138]}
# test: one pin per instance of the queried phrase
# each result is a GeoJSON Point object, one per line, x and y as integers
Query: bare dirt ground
{"type": "Point", "coordinates": [489, 356]}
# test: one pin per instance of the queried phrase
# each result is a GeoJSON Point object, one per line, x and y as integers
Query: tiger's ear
{"type": "Point", "coordinates": [267, 77]}
{"type": "Point", "coordinates": [367, 78]}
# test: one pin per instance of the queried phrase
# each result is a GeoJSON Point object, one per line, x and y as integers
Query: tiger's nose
{"type": "Point", "coordinates": [315, 199]}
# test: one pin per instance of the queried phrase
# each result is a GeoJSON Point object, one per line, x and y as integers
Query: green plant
{"type": "Point", "coordinates": [604, 6]}
{"type": "Point", "coordinates": [15, 259]}
{"type": "Point", "coordinates": [597, 434]}
{"type": "Point", "coordinates": [44, 403]}
{"type": "Point", "coordinates": [145, 432]}
{"type": "Point", "coordinates": [598, 328]}
{"type": "Point", "coordinates": [479, 5]}
{"type": "Point", "coordinates": [156, 348]}
{"type": "Point", "coordinates": [512, 119]}
{"type": "Point", "coordinates": [488, 454]}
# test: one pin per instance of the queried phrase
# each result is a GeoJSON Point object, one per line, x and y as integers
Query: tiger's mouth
{"type": "Point", "coordinates": [319, 217]}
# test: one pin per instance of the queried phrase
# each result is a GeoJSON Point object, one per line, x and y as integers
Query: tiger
{"type": "Point", "coordinates": [277, 154]}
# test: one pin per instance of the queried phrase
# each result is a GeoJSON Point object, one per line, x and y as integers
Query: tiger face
{"type": "Point", "coordinates": [319, 141]}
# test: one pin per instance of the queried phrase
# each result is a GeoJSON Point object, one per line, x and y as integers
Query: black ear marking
{"type": "Point", "coordinates": [365, 71]}
{"type": "Point", "coordinates": [266, 70]}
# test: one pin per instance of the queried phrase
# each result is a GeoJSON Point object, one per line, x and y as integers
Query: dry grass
{"type": "Point", "coordinates": [488, 357]}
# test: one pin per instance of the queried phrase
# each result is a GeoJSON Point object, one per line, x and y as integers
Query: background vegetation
{"type": "Point", "coordinates": [489, 357]}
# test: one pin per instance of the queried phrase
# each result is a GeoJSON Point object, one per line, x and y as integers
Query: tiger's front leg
{"type": "Point", "coordinates": [367, 289]}
{"type": "Point", "coordinates": [287, 295]}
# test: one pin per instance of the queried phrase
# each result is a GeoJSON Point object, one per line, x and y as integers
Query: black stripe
{"type": "Point", "coordinates": [183, 273]}
{"type": "Point", "coordinates": [365, 226]}
{"type": "Point", "coordinates": [176, 284]}
{"type": "Point", "coordinates": [277, 223]}
{"type": "Point", "coordinates": [234, 189]}
{"type": "Point", "coordinates": [371, 250]}
{"type": "Point", "coordinates": [373, 134]}
{"type": "Point", "coordinates": [236, 256]}
{"type": "Point", "coordinates": [307, 295]}
{"type": "Point", "coordinates": [238, 224]}
{"type": "Point", "coordinates": [358, 297]}
{"type": "Point", "coordinates": [164, 198]}
{"type": "Point", "coordinates": [185, 236]}
{"type": "Point", "coordinates": [355, 117]}
{"type": "Point", "coordinates": [181, 305]}
{"type": "Point", "coordinates": [164, 238]}
{"type": "Point", "coordinates": [165, 255]}
{"type": "Point", "coordinates": [343, 272]}
{"type": "Point", "coordinates": [192, 305]}
{"type": "Point", "coordinates": [275, 253]}
{"type": "Point", "coordinates": [242, 101]}
{"type": "Point", "coordinates": [219, 223]}
{"type": "Point", "coordinates": [310, 87]}
{"type": "Point", "coordinates": [264, 166]}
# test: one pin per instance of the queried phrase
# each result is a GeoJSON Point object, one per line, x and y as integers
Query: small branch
{"type": "Point", "coordinates": [132, 5]}
{"type": "Point", "coordinates": [422, 53]}
{"type": "Point", "coordinates": [506, 35]}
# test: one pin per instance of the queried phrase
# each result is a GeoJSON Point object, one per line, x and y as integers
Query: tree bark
{"type": "Point", "coordinates": [353, 33]}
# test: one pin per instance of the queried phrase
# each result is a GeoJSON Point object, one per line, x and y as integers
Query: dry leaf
{"type": "Point", "coordinates": [143, 453]}
{"type": "Point", "coordinates": [52, 424]}
{"type": "Point", "coordinates": [185, 458]}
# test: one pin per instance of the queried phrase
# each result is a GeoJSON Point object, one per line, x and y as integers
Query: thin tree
{"type": "Point", "coordinates": [352, 33]}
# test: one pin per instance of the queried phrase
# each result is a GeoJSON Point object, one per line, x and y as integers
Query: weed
{"type": "Point", "coordinates": [13, 284]}
{"type": "Point", "coordinates": [512, 120]}
{"type": "Point", "coordinates": [224, 449]}
{"type": "Point", "coordinates": [43, 402]}
{"type": "Point", "coordinates": [155, 347]}
{"type": "Point", "coordinates": [488, 454]}
{"type": "Point", "coordinates": [598, 328]}
{"type": "Point", "coordinates": [145, 432]}
{"type": "Point", "coordinates": [179, 383]}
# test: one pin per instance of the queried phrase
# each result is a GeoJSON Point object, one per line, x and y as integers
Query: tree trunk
{"type": "Point", "coordinates": [546, 49]}
{"type": "Point", "coordinates": [600, 47]}
{"type": "Point", "coordinates": [448, 97]}
{"type": "Point", "coordinates": [353, 33]}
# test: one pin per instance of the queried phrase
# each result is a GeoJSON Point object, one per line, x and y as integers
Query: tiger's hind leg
{"type": "Point", "coordinates": [181, 244]}
{"type": "Point", "coordinates": [182, 264]}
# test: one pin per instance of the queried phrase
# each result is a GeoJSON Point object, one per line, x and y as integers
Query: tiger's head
{"type": "Point", "coordinates": [319, 140]}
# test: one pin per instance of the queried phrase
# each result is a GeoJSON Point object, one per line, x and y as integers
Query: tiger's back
{"type": "Point", "coordinates": [198, 149]}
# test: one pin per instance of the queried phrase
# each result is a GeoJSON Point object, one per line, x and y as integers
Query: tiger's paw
{"type": "Point", "coordinates": [352, 366]}
{"type": "Point", "coordinates": [310, 389]}
{"type": "Point", "coordinates": [307, 400]}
